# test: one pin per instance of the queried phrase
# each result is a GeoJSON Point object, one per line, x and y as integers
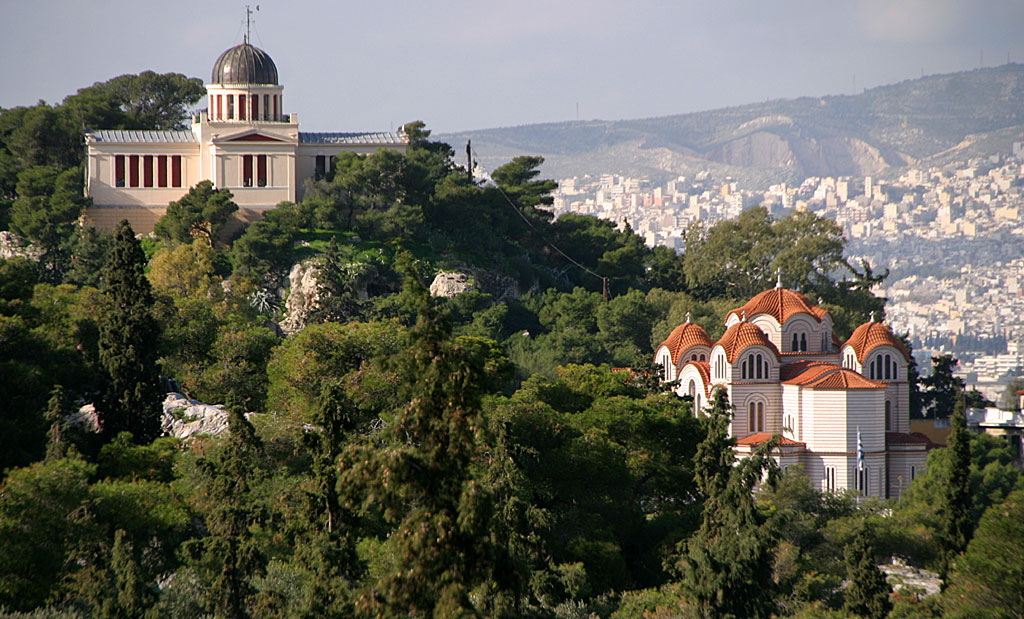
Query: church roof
{"type": "Point", "coordinates": [760, 437]}
{"type": "Point", "coordinates": [684, 337]}
{"type": "Point", "coordinates": [830, 376]}
{"type": "Point", "coordinates": [902, 438]}
{"type": "Point", "coordinates": [704, 368]}
{"type": "Point", "coordinates": [870, 336]}
{"type": "Point", "coordinates": [741, 336]}
{"type": "Point", "coordinates": [133, 136]}
{"type": "Point", "coordinates": [811, 367]}
{"type": "Point", "coordinates": [781, 304]}
{"type": "Point", "coordinates": [369, 137]}
{"type": "Point", "coordinates": [244, 64]}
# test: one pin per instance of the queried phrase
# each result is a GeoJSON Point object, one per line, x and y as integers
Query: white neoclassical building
{"type": "Point", "coordinates": [243, 141]}
{"type": "Point", "coordinates": [786, 373]}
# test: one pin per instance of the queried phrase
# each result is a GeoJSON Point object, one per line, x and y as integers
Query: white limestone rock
{"type": "Point", "coordinates": [12, 246]}
{"type": "Point", "coordinates": [184, 418]}
{"type": "Point", "coordinates": [303, 296]}
{"type": "Point", "coordinates": [450, 283]}
{"type": "Point", "coordinates": [85, 418]}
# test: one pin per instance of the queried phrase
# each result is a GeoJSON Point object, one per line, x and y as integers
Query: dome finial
{"type": "Point", "coordinates": [778, 277]}
{"type": "Point", "coordinates": [687, 317]}
{"type": "Point", "coordinates": [871, 316]}
{"type": "Point", "coordinates": [743, 316]}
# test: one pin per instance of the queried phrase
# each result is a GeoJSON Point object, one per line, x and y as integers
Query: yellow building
{"type": "Point", "coordinates": [244, 142]}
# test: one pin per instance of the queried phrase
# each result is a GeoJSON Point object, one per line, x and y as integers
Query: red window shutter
{"type": "Point", "coordinates": [255, 99]}
{"type": "Point", "coordinates": [119, 170]}
{"type": "Point", "coordinates": [241, 107]}
{"type": "Point", "coordinates": [247, 170]}
{"type": "Point", "coordinates": [133, 170]}
{"type": "Point", "coordinates": [176, 171]}
{"type": "Point", "coordinates": [261, 170]}
{"type": "Point", "coordinates": [276, 117]}
{"type": "Point", "coordinates": [219, 115]}
{"type": "Point", "coordinates": [161, 171]}
{"type": "Point", "coordinates": [147, 171]}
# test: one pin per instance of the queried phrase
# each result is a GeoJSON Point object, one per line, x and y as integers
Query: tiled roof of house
{"type": "Point", "coordinates": [781, 304]}
{"type": "Point", "coordinates": [741, 336]}
{"type": "Point", "coordinates": [684, 337]}
{"type": "Point", "coordinates": [798, 368]}
{"type": "Point", "coordinates": [871, 335]}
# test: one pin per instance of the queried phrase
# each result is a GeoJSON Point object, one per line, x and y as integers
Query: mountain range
{"type": "Point", "coordinates": [925, 121]}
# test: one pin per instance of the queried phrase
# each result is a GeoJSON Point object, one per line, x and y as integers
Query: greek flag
{"type": "Point", "coordinates": [860, 451]}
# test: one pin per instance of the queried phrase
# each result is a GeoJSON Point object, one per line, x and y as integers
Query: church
{"type": "Point", "coordinates": [244, 141]}
{"type": "Point", "coordinates": [842, 408]}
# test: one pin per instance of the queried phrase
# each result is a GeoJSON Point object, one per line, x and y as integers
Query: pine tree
{"type": "Point", "coordinates": [128, 344]}
{"type": "Point", "coordinates": [727, 566]}
{"type": "Point", "coordinates": [867, 593]}
{"type": "Point", "coordinates": [131, 590]}
{"type": "Point", "coordinates": [229, 558]}
{"type": "Point", "coordinates": [957, 503]}
{"type": "Point", "coordinates": [421, 480]}
{"type": "Point", "coordinates": [56, 438]}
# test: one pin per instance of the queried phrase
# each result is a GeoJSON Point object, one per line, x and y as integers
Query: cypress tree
{"type": "Point", "coordinates": [57, 409]}
{"type": "Point", "coordinates": [128, 343]}
{"type": "Point", "coordinates": [727, 566]}
{"type": "Point", "coordinates": [131, 590]}
{"type": "Point", "coordinates": [957, 503]}
{"type": "Point", "coordinates": [867, 593]}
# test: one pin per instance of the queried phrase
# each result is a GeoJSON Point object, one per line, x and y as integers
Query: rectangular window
{"type": "Point", "coordinates": [147, 171]}
{"type": "Point", "coordinates": [220, 116]}
{"type": "Point", "coordinates": [830, 478]}
{"type": "Point", "coordinates": [913, 472]}
{"type": "Point", "coordinates": [176, 171]}
{"type": "Point", "coordinates": [231, 106]}
{"type": "Point", "coordinates": [119, 170]}
{"type": "Point", "coordinates": [241, 107]}
{"type": "Point", "coordinates": [133, 170]}
{"type": "Point", "coordinates": [320, 170]}
{"type": "Point", "coordinates": [276, 117]}
{"type": "Point", "coordinates": [161, 171]}
{"type": "Point", "coordinates": [261, 170]}
{"type": "Point", "coordinates": [246, 170]}
{"type": "Point", "coordinates": [255, 99]}
{"type": "Point", "coordinates": [266, 107]}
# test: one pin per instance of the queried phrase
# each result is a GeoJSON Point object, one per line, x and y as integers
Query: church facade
{"type": "Point", "coordinates": [243, 141]}
{"type": "Point", "coordinates": [842, 408]}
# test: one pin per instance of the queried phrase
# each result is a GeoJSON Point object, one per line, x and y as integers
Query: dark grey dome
{"type": "Point", "coordinates": [244, 64]}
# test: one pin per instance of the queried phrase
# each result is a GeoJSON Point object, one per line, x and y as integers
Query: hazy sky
{"type": "Point", "coordinates": [374, 64]}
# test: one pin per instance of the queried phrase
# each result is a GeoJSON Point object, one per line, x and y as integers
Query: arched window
{"type": "Point", "coordinates": [796, 344]}
{"type": "Point", "coordinates": [692, 389]}
{"type": "Point", "coordinates": [743, 370]}
{"type": "Point", "coordinates": [803, 342]}
{"type": "Point", "coordinates": [702, 357]}
{"type": "Point", "coordinates": [760, 366]}
{"type": "Point", "coordinates": [755, 417]}
{"type": "Point", "coordinates": [888, 416]}
{"type": "Point", "coordinates": [666, 366]}
{"type": "Point", "coordinates": [895, 371]}
{"type": "Point", "coordinates": [888, 367]}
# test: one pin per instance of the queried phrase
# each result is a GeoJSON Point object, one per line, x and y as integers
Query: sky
{"type": "Point", "coordinates": [461, 65]}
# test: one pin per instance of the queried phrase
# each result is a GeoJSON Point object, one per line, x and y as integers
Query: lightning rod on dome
{"type": "Point", "coordinates": [687, 316]}
{"type": "Point", "coordinates": [778, 277]}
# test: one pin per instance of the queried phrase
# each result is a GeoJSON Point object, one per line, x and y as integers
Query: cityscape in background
{"type": "Point", "coordinates": [950, 237]}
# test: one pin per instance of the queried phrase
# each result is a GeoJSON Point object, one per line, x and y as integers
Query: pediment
{"type": "Point", "coordinates": [253, 137]}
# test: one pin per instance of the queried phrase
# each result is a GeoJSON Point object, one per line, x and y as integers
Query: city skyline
{"type": "Point", "coordinates": [470, 66]}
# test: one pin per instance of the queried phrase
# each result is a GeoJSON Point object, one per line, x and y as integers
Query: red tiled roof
{"type": "Point", "coordinates": [761, 437]}
{"type": "Point", "coordinates": [870, 336]}
{"type": "Point", "coordinates": [741, 336]}
{"type": "Point", "coordinates": [820, 375]}
{"type": "Point", "coordinates": [914, 438]}
{"type": "Point", "coordinates": [796, 368]}
{"type": "Point", "coordinates": [684, 337]}
{"type": "Point", "coordinates": [780, 303]}
{"type": "Point", "coordinates": [704, 367]}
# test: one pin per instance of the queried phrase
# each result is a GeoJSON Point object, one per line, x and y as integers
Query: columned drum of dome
{"type": "Point", "coordinates": [244, 64]}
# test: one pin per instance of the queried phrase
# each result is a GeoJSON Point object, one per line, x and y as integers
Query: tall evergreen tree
{"type": "Point", "coordinates": [867, 593]}
{"type": "Point", "coordinates": [726, 567]}
{"type": "Point", "coordinates": [57, 409]}
{"type": "Point", "coordinates": [131, 590]}
{"type": "Point", "coordinates": [957, 502]}
{"type": "Point", "coordinates": [128, 344]}
{"type": "Point", "coordinates": [421, 480]}
{"type": "Point", "coordinates": [229, 558]}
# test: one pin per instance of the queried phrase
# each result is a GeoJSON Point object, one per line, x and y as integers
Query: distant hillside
{"type": "Point", "coordinates": [884, 128]}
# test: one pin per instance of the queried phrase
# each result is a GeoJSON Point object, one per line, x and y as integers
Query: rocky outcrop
{"type": "Point", "coordinates": [85, 418]}
{"type": "Point", "coordinates": [184, 418]}
{"type": "Point", "coordinates": [303, 296]}
{"type": "Point", "coordinates": [450, 283]}
{"type": "Point", "coordinates": [12, 246]}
